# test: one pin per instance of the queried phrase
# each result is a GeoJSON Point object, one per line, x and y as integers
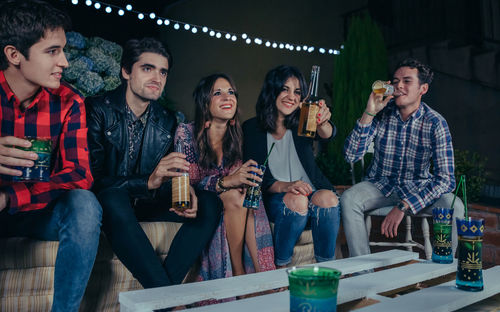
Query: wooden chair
{"type": "Point", "coordinates": [409, 243]}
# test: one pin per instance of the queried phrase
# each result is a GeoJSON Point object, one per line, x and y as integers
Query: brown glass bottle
{"type": "Point", "coordinates": [310, 107]}
{"type": "Point", "coordinates": [180, 187]}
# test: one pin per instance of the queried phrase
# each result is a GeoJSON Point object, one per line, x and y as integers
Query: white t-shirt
{"type": "Point", "coordinates": [284, 162]}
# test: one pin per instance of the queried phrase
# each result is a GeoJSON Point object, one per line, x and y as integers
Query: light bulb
{"type": "Point", "coordinates": [128, 7]}
{"type": "Point", "coordinates": [121, 12]}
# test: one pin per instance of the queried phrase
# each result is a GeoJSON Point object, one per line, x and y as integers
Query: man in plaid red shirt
{"type": "Point", "coordinates": [35, 104]}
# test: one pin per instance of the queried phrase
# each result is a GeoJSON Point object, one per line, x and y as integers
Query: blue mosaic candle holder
{"type": "Point", "coordinates": [442, 230]}
{"type": "Point", "coordinates": [470, 248]}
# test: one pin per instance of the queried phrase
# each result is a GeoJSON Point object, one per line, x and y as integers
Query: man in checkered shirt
{"type": "Point", "coordinates": [34, 103]}
{"type": "Point", "coordinates": [408, 136]}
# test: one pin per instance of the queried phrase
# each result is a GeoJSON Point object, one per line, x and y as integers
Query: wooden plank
{"type": "Point", "coordinates": [350, 289]}
{"type": "Point", "coordinates": [171, 296]}
{"type": "Point", "coordinates": [443, 297]}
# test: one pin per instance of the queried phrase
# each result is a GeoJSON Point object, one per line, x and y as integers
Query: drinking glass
{"type": "Point", "coordinates": [40, 171]}
{"type": "Point", "coordinates": [380, 87]}
{"type": "Point", "coordinates": [470, 248]}
{"type": "Point", "coordinates": [442, 229]}
{"type": "Point", "coordinates": [254, 193]}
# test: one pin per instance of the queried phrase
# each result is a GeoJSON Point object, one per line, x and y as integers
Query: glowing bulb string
{"type": "Point", "coordinates": [177, 25]}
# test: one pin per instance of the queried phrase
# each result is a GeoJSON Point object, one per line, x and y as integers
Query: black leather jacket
{"type": "Point", "coordinates": [108, 142]}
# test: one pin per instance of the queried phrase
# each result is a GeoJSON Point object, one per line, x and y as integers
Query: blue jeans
{"type": "Point", "coordinates": [289, 225]}
{"type": "Point", "coordinates": [73, 219]}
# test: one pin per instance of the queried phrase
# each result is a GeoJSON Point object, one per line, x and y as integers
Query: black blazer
{"type": "Point", "coordinates": [108, 142]}
{"type": "Point", "coordinates": [255, 147]}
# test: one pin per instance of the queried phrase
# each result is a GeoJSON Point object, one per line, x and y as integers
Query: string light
{"type": "Point", "coordinates": [210, 31]}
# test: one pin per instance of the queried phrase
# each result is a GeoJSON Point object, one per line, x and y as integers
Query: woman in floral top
{"type": "Point", "coordinates": [243, 242]}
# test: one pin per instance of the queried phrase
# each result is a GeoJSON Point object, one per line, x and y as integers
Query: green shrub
{"type": "Point", "coordinates": [472, 165]}
{"type": "Point", "coordinates": [362, 61]}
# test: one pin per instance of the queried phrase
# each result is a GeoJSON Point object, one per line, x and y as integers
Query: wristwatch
{"type": "Point", "coordinates": [402, 207]}
{"type": "Point", "coordinates": [220, 185]}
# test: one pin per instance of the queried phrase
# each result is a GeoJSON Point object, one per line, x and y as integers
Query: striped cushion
{"type": "Point", "coordinates": [27, 272]}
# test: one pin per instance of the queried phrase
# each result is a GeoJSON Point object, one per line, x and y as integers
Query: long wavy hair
{"type": "Point", "coordinates": [233, 138]}
{"type": "Point", "coordinates": [266, 110]}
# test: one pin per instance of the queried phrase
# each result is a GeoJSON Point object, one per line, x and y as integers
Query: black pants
{"type": "Point", "coordinates": [131, 245]}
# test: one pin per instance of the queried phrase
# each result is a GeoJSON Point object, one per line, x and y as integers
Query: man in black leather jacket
{"type": "Point", "coordinates": [130, 140]}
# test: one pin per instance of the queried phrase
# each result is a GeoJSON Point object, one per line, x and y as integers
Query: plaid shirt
{"type": "Point", "coordinates": [402, 154]}
{"type": "Point", "coordinates": [58, 114]}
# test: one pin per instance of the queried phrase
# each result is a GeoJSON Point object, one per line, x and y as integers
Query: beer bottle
{"type": "Point", "coordinates": [310, 107]}
{"type": "Point", "coordinates": [180, 186]}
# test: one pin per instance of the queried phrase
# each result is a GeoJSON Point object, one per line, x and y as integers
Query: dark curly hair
{"type": "Point", "coordinates": [266, 110]}
{"type": "Point", "coordinates": [135, 47]}
{"type": "Point", "coordinates": [425, 73]}
{"type": "Point", "coordinates": [24, 22]}
{"type": "Point", "coordinates": [233, 138]}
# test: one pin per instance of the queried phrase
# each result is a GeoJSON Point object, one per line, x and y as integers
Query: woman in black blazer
{"type": "Point", "coordinates": [294, 188]}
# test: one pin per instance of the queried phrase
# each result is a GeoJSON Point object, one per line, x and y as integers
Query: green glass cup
{"type": "Point", "coordinates": [40, 171]}
{"type": "Point", "coordinates": [313, 288]}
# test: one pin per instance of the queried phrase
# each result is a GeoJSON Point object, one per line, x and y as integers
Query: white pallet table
{"type": "Point", "coordinates": [171, 296]}
{"type": "Point", "coordinates": [350, 289]}
{"type": "Point", "coordinates": [443, 297]}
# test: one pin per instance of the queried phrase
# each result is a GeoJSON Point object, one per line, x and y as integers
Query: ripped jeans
{"type": "Point", "coordinates": [289, 225]}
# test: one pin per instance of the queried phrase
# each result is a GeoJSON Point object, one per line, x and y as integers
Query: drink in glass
{"type": "Point", "coordinates": [442, 229]}
{"type": "Point", "coordinates": [40, 171]}
{"type": "Point", "coordinates": [380, 87]}
{"type": "Point", "coordinates": [254, 193]}
{"type": "Point", "coordinates": [470, 251]}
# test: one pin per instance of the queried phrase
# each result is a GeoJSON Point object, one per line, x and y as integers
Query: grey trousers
{"type": "Point", "coordinates": [363, 197]}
